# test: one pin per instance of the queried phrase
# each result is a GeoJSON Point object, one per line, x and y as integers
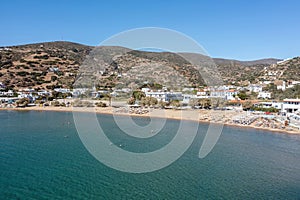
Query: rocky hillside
{"type": "Point", "coordinates": [284, 70]}
{"type": "Point", "coordinates": [61, 64]}
{"type": "Point", "coordinates": [239, 71]}
{"type": "Point", "coordinates": [44, 65]}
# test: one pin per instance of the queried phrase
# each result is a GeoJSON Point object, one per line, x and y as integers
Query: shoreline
{"type": "Point", "coordinates": [189, 115]}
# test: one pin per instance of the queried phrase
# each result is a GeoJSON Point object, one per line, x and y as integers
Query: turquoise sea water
{"type": "Point", "coordinates": [42, 157]}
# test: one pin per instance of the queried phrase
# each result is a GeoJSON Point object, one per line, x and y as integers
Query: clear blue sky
{"type": "Point", "coordinates": [237, 29]}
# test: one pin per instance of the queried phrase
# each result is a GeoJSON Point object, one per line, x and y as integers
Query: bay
{"type": "Point", "coordinates": [42, 157]}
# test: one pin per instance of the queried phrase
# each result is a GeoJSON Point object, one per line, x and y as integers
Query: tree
{"type": "Point", "coordinates": [162, 104]}
{"type": "Point", "coordinates": [101, 104]}
{"type": "Point", "coordinates": [153, 101]}
{"type": "Point", "coordinates": [55, 94]}
{"type": "Point", "coordinates": [148, 101]}
{"type": "Point", "coordinates": [144, 101]}
{"type": "Point", "coordinates": [175, 103]}
{"type": "Point", "coordinates": [53, 78]}
{"type": "Point", "coordinates": [206, 103]}
{"type": "Point", "coordinates": [55, 103]}
{"type": "Point", "coordinates": [242, 95]}
{"type": "Point", "coordinates": [138, 95]}
{"type": "Point", "coordinates": [154, 86]}
{"type": "Point", "coordinates": [22, 102]}
{"type": "Point", "coordinates": [131, 101]}
{"type": "Point", "coordinates": [247, 105]}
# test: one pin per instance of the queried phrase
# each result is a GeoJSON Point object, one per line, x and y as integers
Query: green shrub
{"type": "Point", "coordinates": [273, 110]}
{"type": "Point", "coordinates": [41, 57]}
{"type": "Point", "coordinates": [22, 73]}
{"type": "Point", "coordinates": [101, 104]}
{"type": "Point", "coordinates": [53, 78]}
{"type": "Point", "coordinates": [55, 103]}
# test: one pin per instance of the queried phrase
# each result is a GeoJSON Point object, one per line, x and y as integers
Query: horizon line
{"type": "Point", "coordinates": [214, 57]}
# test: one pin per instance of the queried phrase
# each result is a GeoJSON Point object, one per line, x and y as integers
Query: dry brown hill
{"type": "Point", "coordinates": [59, 64]}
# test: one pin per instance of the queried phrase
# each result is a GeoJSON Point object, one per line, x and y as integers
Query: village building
{"type": "Point", "coordinates": [224, 94]}
{"type": "Point", "coordinates": [291, 105]}
{"type": "Point", "coordinates": [264, 95]}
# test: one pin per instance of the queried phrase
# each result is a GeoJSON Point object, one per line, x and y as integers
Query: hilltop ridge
{"type": "Point", "coordinates": [57, 64]}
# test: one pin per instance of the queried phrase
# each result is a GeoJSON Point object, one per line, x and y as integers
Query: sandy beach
{"type": "Point", "coordinates": [203, 116]}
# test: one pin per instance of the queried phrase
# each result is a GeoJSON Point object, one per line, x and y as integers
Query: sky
{"type": "Point", "coordinates": [235, 29]}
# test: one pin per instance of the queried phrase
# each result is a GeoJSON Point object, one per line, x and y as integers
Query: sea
{"type": "Point", "coordinates": [43, 157]}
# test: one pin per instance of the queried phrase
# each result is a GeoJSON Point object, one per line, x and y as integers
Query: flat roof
{"type": "Point", "coordinates": [291, 100]}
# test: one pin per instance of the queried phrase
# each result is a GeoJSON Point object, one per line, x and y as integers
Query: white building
{"type": "Point", "coordinates": [9, 93]}
{"type": "Point", "coordinates": [291, 84]}
{"type": "Point", "coordinates": [28, 90]}
{"type": "Point", "coordinates": [78, 91]}
{"type": "Point", "coordinates": [44, 93]}
{"type": "Point", "coordinates": [188, 97]}
{"type": "Point", "coordinates": [160, 96]}
{"type": "Point", "coordinates": [288, 105]}
{"type": "Point", "coordinates": [126, 90]}
{"type": "Point", "coordinates": [277, 105]}
{"type": "Point", "coordinates": [201, 93]}
{"type": "Point", "coordinates": [291, 105]}
{"type": "Point", "coordinates": [224, 94]}
{"type": "Point", "coordinates": [280, 84]}
{"type": "Point", "coordinates": [272, 73]}
{"type": "Point", "coordinates": [264, 95]}
{"type": "Point", "coordinates": [266, 82]}
{"type": "Point", "coordinates": [165, 96]}
{"type": "Point", "coordinates": [24, 95]}
{"type": "Point", "coordinates": [283, 61]}
{"type": "Point", "coordinates": [188, 89]}
{"type": "Point", "coordinates": [255, 88]}
{"type": "Point", "coordinates": [145, 90]}
{"type": "Point", "coordinates": [62, 90]}
{"type": "Point", "coordinates": [2, 86]}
